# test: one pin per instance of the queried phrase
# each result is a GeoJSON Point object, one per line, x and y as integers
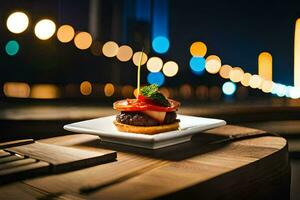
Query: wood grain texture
{"type": "Point", "coordinates": [199, 171]}
{"type": "Point", "coordinates": [17, 163]}
{"type": "Point", "coordinates": [14, 143]}
{"type": "Point", "coordinates": [248, 168]}
{"type": "Point", "coordinates": [36, 159]}
{"type": "Point", "coordinates": [63, 158]}
{"type": "Point", "coordinates": [10, 158]}
{"type": "Point", "coordinates": [74, 181]}
{"type": "Point", "coordinates": [23, 171]}
{"type": "Point", "coordinates": [3, 153]}
{"type": "Point", "coordinates": [20, 190]}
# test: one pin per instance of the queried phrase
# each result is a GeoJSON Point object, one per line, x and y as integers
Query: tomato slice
{"type": "Point", "coordinates": [137, 105]}
{"type": "Point", "coordinates": [145, 99]}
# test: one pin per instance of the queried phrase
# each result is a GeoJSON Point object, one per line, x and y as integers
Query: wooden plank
{"type": "Point", "coordinates": [4, 153]}
{"type": "Point", "coordinates": [14, 143]}
{"type": "Point", "coordinates": [24, 171]}
{"type": "Point", "coordinates": [64, 158]}
{"type": "Point", "coordinates": [17, 163]}
{"type": "Point", "coordinates": [10, 158]}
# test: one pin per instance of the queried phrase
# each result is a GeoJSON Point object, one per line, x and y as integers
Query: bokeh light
{"type": "Point", "coordinates": [197, 64]}
{"type": "Point", "coordinates": [65, 33]}
{"type": "Point", "coordinates": [156, 78]}
{"type": "Point", "coordinates": [127, 91]}
{"type": "Point", "coordinates": [86, 88]}
{"type": "Point", "coordinates": [44, 91]}
{"type": "Point", "coordinates": [198, 49]}
{"type": "Point", "coordinates": [265, 66]}
{"type": "Point", "coordinates": [83, 40]}
{"type": "Point", "coordinates": [280, 89]}
{"type": "Point", "coordinates": [229, 88]}
{"type": "Point", "coordinates": [124, 53]}
{"type": "Point", "coordinates": [295, 92]}
{"type": "Point", "coordinates": [110, 49]}
{"type": "Point", "coordinates": [236, 74]}
{"type": "Point", "coordinates": [287, 92]}
{"type": "Point", "coordinates": [109, 89]}
{"type": "Point", "coordinates": [44, 29]}
{"type": "Point", "coordinates": [154, 64]}
{"type": "Point", "coordinates": [225, 71]}
{"type": "Point", "coordinates": [275, 88]}
{"type": "Point", "coordinates": [213, 64]}
{"type": "Point", "coordinates": [255, 81]}
{"type": "Point", "coordinates": [267, 86]}
{"type": "Point", "coordinates": [17, 22]}
{"type": "Point", "coordinates": [12, 47]}
{"type": "Point", "coordinates": [170, 68]}
{"type": "Point", "coordinates": [136, 58]}
{"type": "Point", "coordinates": [297, 54]}
{"type": "Point", "coordinates": [160, 44]}
{"type": "Point", "coordinates": [16, 89]}
{"type": "Point", "coordinates": [246, 79]}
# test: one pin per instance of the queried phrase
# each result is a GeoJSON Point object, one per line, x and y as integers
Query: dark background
{"type": "Point", "coordinates": [236, 31]}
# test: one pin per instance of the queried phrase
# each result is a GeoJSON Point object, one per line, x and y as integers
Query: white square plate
{"type": "Point", "coordinates": [104, 127]}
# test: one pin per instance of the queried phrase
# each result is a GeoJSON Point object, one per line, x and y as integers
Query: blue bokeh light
{"type": "Point", "coordinates": [288, 92]}
{"type": "Point", "coordinates": [12, 47]}
{"type": "Point", "coordinates": [156, 78]}
{"type": "Point", "coordinates": [275, 88]}
{"type": "Point", "coordinates": [229, 88]}
{"type": "Point", "coordinates": [197, 65]}
{"type": "Point", "coordinates": [279, 89]}
{"type": "Point", "coordinates": [160, 44]}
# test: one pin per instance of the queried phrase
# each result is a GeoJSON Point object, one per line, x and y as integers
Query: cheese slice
{"type": "Point", "coordinates": [158, 116]}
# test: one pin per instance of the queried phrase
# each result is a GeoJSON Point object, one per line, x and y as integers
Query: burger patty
{"type": "Point", "coordinates": [141, 119]}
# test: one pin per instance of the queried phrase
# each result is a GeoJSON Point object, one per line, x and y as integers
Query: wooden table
{"type": "Point", "coordinates": [229, 162]}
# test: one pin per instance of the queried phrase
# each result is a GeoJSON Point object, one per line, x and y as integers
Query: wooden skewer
{"type": "Point", "coordinates": [139, 74]}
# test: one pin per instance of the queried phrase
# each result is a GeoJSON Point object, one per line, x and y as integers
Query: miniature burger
{"type": "Point", "coordinates": [150, 113]}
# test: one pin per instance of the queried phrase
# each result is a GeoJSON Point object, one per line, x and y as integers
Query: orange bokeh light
{"type": "Point", "coordinates": [83, 40]}
{"type": "Point", "coordinates": [198, 49]}
{"type": "Point", "coordinates": [65, 33]}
